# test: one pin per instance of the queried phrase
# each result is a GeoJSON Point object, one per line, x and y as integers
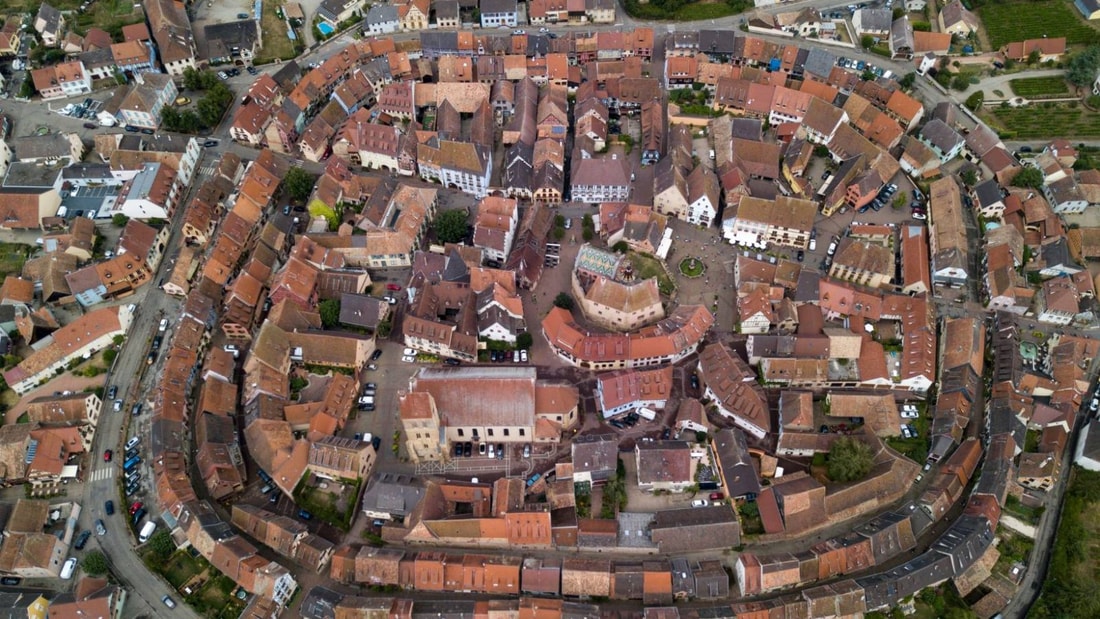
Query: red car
{"type": "Point", "coordinates": [393, 287]}
{"type": "Point", "coordinates": [107, 455]}
{"type": "Point", "coordinates": [136, 506]}
{"type": "Point", "coordinates": [717, 496]}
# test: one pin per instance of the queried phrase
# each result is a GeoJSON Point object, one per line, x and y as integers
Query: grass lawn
{"type": "Point", "coordinates": [1015, 21]}
{"type": "Point", "coordinates": [12, 257]}
{"type": "Point", "coordinates": [647, 267]}
{"type": "Point", "coordinates": [110, 15]}
{"type": "Point", "coordinates": [1024, 513]}
{"type": "Point", "coordinates": [1044, 120]}
{"type": "Point", "coordinates": [216, 600]}
{"type": "Point", "coordinates": [180, 568]}
{"type": "Point", "coordinates": [277, 45]}
{"type": "Point", "coordinates": [1039, 86]}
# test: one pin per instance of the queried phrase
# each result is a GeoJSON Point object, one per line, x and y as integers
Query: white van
{"type": "Point", "coordinates": [68, 569]}
{"type": "Point", "coordinates": [130, 444]}
{"type": "Point", "coordinates": [147, 531]}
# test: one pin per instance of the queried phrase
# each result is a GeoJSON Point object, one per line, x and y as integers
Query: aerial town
{"type": "Point", "coordinates": [554, 309]}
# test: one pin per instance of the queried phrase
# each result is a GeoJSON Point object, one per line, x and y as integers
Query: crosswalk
{"type": "Point", "coordinates": [104, 473]}
{"type": "Point", "coordinates": [207, 170]}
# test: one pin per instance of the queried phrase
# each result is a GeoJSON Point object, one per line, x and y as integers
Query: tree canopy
{"type": "Point", "coordinates": [1083, 66]}
{"type": "Point", "coordinates": [94, 563]}
{"type": "Point", "coordinates": [330, 312]}
{"type": "Point", "coordinates": [299, 184]}
{"type": "Point", "coordinates": [450, 226]}
{"type": "Point", "coordinates": [849, 460]}
{"type": "Point", "coordinates": [1028, 177]}
{"type": "Point", "coordinates": [564, 301]}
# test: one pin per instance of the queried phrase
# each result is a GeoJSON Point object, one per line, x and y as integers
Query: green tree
{"type": "Point", "coordinates": [821, 150]}
{"type": "Point", "coordinates": [26, 89]}
{"type": "Point", "coordinates": [960, 83]}
{"type": "Point", "coordinates": [330, 312]}
{"type": "Point", "coordinates": [298, 184]}
{"type": "Point", "coordinates": [450, 226]}
{"type": "Point", "coordinates": [969, 177]}
{"type": "Point", "coordinates": [867, 41]}
{"type": "Point", "coordinates": [192, 79]}
{"type": "Point", "coordinates": [559, 233]}
{"type": "Point", "coordinates": [849, 460]}
{"type": "Point", "coordinates": [1028, 177]}
{"type": "Point", "coordinates": [620, 248]}
{"type": "Point", "coordinates": [975, 100]}
{"type": "Point", "coordinates": [1033, 57]}
{"type": "Point", "coordinates": [908, 80]}
{"type": "Point", "coordinates": [564, 301]}
{"type": "Point", "coordinates": [587, 234]}
{"type": "Point", "coordinates": [94, 563]}
{"type": "Point", "coordinates": [867, 75]}
{"type": "Point", "coordinates": [161, 545]}
{"type": "Point", "coordinates": [109, 356]}
{"type": "Point", "coordinates": [120, 220]}
{"type": "Point", "coordinates": [1083, 67]}
{"type": "Point", "coordinates": [899, 12]}
{"type": "Point", "coordinates": [525, 340]}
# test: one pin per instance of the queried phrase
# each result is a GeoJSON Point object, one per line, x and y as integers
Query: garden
{"type": "Point", "coordinates": [12, 257]}
{"type": "Point", "coordinates": [692, 267]}
{"type": "Point", "coordinates": [1044, 120]}
{"type": "Point", "coordinates": [646, 267]}
{"type": "Point", "coordinates": [681, 10]}
{"type": "Point", "coordinates": [1034, 87]}
{"type": "Point", "coordinates": [277, 45]}
{"type": "Point", "coordinates": [1006, 22]}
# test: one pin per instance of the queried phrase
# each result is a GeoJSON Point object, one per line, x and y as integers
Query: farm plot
{"type": "Point", "coordinates": [1046, 121]}
{"type": "Point", "coordinates": [1032, 87]}
{"type": "Point", "coordinates": [1015, 21]}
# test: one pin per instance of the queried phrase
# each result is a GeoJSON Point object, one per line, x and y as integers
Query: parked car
{"type": "Point", "coordinates": [304, 515]}
{"type": "Point", "coordinates": [717, 496]}
{"type": "Point", "coordinates": [136, 506]}
{"type": "Point", "coordinates": [481, 449]}
{"type": "Point", "coordinates": [107, 455]}
{"type": "Point", "coordinates": [393, 287]}
{"type": "Point", "coordinates": [118, 405]}
{"type": "Point", "coordinates": [242, 15]}
{"type": "Point", "coordinates": [10, 581]}
{"type": "Point", "coordinates": [458, 450]}
{"type": "Point", "coordinates": [169, 602]}
{"type": "Point", "coordinates": [374, 356]}
{"type": "Point", "coordinates": [133, 442]}
{"type": "Point", "coordinates": [100, 528]}
{"type": "Point", "coordinates": [492, 451]}
{"type": "Point", "coordinates": [408, 359]}
{"type": "Point", "coordinates": [694, 381]}
{"type": "Point", "coordinates": [450, 361]}
{"type": "Point", "coordinates": [223, 75]}
{"type": "Point", "coordinates": [90, 126]}
{"type": "Point", "coordinates": [523, 355]}
{"type": "Point", "coordinates": [527, 450]}
{"type": "Point", "coordinates": [81, 540]}
{"type": "Point", "coordinates": [390, 300]}
{"type": "Point", "coordinates": [210, 143]}
{"type": "Point", "coordinates": [467, 449]}
{"type": "Point", "coordinates": [700, 503]}
{"type": "Point", "coordinates": [252, 70]}
{"type": "Point", "coordinates": [500, 451]}
{"type": "Point", "coordinates": [112, 392]}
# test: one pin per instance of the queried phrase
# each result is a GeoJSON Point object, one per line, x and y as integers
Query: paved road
{"type": "Point", "coordinates": [135, 381]}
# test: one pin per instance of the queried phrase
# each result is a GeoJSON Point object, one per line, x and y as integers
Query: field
{"type": "Point", "coordinates": [1031, 87]}
{"type": "Point", "coordinates": [686, 11]}
{"type": "Point", "coordinates": [1045, 121]}
{"type": "Point", "coordinates": [1072, 579]}
{"type": "Point", "coordinates": [277, 46]}
{"type": "Point", "coordinates": [1006, 22]}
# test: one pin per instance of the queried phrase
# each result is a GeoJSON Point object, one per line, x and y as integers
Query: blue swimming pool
{"type": "Point", "coordinates": [325, 28]}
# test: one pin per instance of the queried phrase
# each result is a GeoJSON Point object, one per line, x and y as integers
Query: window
{"type": "Point", "coordinates": [490, 431]}
{"type": "Point", "coordinates": [460, 432]}
{"type": "Point", "coordinates": [505, 431]}
{"type": "Point", "coordinates": [522, 432]}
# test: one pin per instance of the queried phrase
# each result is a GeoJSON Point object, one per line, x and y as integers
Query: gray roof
{"type": "Point", "coordinates": [87, 171]}
{"type": "Point", "coordinates": [31, 175]}
{"type": "Point", "coordinates": [819, 62]}
{"type": "Point", "coordinates": [221, 39]}
{"type": "Point", "coordinates": [1090, 443]}
{"type": "Point", "coordinates": [988, 193]}
{"type": "Point", "coordinates": [393, 494]}
{"type": "Point", "coordinates": [939, 135]}
{"type": "Point", "coordinates": [361, 310]}
{"type": "Point", "coordinates": [737, 468]}
{"type": "Point", "coordinates": [965, 542]}
{"type": "Point", "coordinates": [446, 8]}
{"type": "Point", "coordinates": [51, 145]}
{"type": "Point", "coordinates": [320, 603]}
{"type": "Point", "coordinates": [497, 6]}
{"type": "Point", "coordinates": [876, 20]}
{"type": "Point", "coordinates": [717, 41]}
{"type": "Point", "coordinates": [384, 14]}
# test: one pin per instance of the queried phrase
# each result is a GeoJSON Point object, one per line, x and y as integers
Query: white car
{"type": "Point", "coordinates": [523, 355]}
{"type": "Point", "coordinates": [813, 244]}
{"type": "Point", "coordinates": [408, 352]}
{"type": "Point", "coordinates": [408, 359]}
{"type": "Point", "coordinates": [163, 325]}
{"type": "Point", "coordinates": [390, 300]}
{"type": "Point", "coordinates": [700, 503]}
{"type": "Point", "coordinates": [130, 444]}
